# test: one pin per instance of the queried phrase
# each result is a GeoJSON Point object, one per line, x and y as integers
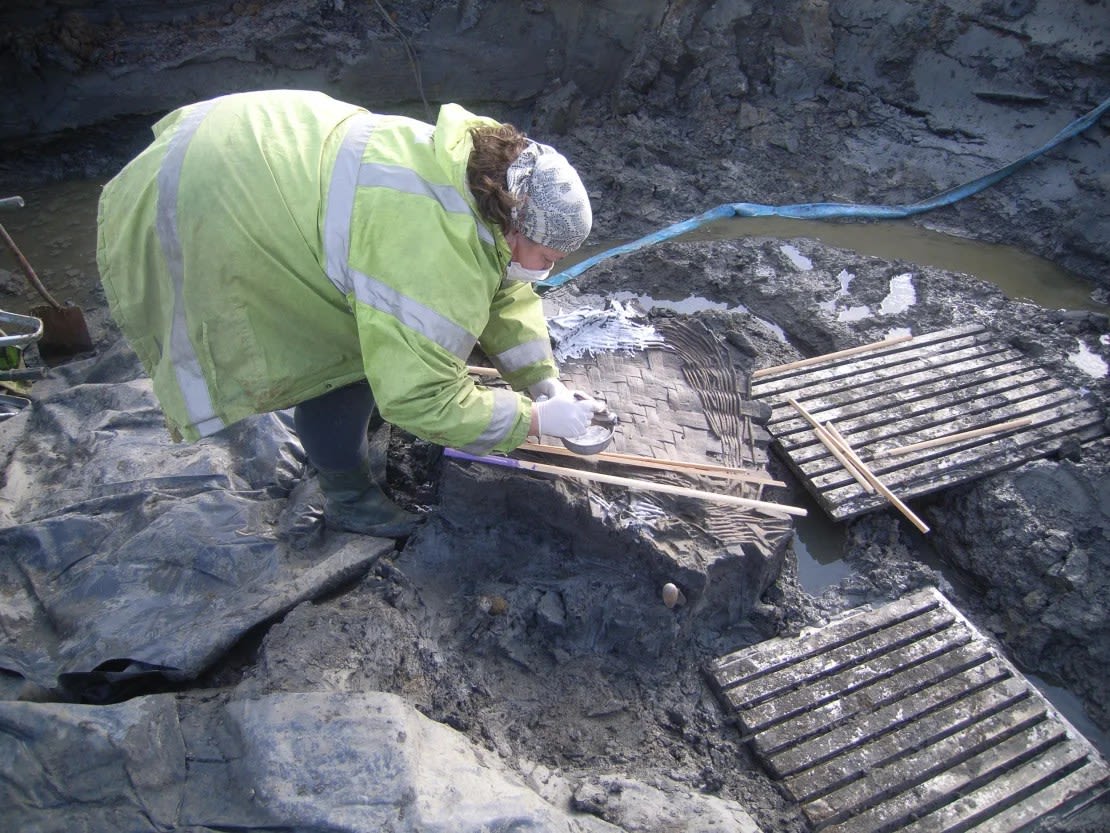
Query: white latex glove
{"type": "Point", "coordinates": [565, 415]}
{"type": "Point", "coordinates": [547, 389]}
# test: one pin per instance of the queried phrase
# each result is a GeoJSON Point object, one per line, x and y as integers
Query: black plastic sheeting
{"type": "Point", "coordinates": [325, 761]}
{"type": "Point", "coordinates": [123, 554]}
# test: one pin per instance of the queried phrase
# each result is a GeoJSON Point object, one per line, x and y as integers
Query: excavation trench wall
{"type": "Point", "coordinates": [668, 107]}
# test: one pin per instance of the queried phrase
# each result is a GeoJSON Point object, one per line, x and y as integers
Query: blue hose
{"type": "Point", "coordinates": [826, 210]}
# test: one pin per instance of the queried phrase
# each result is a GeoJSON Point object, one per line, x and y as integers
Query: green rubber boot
{"type": "Point", "coordinates": [355, 503]}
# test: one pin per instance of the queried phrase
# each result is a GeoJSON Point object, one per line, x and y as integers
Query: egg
{"type": "Point", "coordinates": [672, 596]}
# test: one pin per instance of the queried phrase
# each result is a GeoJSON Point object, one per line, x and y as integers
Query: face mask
{"type": "Point", "coordinates": [516, 272]}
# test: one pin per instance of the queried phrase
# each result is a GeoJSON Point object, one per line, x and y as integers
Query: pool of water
{"type": "Point", "coordinates": [819, 547]}
{"type": "Point", "coordinates": [1017, 274]}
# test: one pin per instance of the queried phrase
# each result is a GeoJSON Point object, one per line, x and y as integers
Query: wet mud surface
{"type": "Point", "coordinates": [522, 618]}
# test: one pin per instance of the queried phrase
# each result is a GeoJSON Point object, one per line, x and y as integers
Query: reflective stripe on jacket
{"type": "Point", "coordinates": [268, 247]}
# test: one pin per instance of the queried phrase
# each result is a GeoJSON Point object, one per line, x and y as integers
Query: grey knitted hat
{"type": "Point", "coordinates": [555, 209]}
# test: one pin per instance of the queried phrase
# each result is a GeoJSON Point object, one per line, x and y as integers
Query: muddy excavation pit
{"type": "Point", "coordinates": [185, 647]}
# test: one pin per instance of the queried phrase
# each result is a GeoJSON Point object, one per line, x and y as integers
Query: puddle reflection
{"type": "Point", "coordinates": [1017, 273]}
{"type": "Point", "coordinates": [819, 547]}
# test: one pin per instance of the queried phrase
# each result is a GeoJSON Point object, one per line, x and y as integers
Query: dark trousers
{"type": "Point", "coordinates": [333, 427]}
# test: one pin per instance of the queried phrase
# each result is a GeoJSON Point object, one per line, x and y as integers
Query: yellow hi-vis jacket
{"type": "Point", "coordinates": [271, 246]}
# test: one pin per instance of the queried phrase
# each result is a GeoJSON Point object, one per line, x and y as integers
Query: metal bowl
{"type": "Point", "coordinates": [597, 437]}
{"type": "Point", "coordinates": [595, 440]}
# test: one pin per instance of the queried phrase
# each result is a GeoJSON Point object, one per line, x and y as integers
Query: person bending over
{"type": "Point", "coordinates": [280, 249]}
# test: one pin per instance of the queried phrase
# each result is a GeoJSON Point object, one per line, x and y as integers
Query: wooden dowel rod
{"type": "Point", "coordinates": [727, 472]}
{"type": "Point", "coordinates": [878, 484]}
{"type": "Point", "coordinates": [857, 464]}
{"type": "Point", "coordinates": [882, 488]}
{"type": "Point", "coordinates": [839, 354]}
{"type": "Point", "coordinates": [833, 448]}
{"type": "Point", "coordinates": [870, 475]}
{"type": "Point", "coordinates": [897, 502]}
{"type": "Point", "coordinates": [952, 438]}
{"type": "Point", "coordinates": [777, 509]}
{"type": "Point", "coordinates": [478, 370]}
{"type": "Point", "coordinates": [640, 460]}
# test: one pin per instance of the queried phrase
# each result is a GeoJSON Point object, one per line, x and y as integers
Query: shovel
{"type": "Point", "coordinates": [64, 330]}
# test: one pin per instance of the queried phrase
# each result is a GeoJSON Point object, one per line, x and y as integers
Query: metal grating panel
{"type": "Point", "coordinates": [905, 718]}
{"type": "Point", "coordinates": [941, 383]}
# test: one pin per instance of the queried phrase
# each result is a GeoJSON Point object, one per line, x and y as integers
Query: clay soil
{"type": "Point", "coordinates": [470, 619]}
